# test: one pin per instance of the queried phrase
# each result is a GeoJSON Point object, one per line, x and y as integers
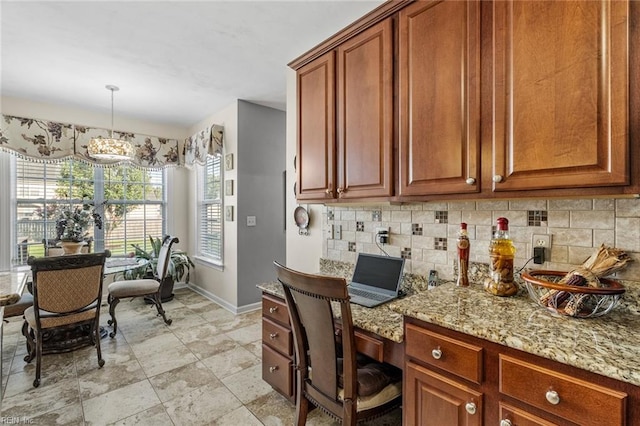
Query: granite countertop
{"type": "Point", "coordinates": [380, 320]}
{"type": "Point", "coordinates": [607, 345]}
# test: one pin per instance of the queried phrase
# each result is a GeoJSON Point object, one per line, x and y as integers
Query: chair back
{"type": "Point", "coordinates": [309, 299]}
{"type": "Point", "coordinates": [67, 284]}
{"type": "Point", "coordinates": [164, 256]}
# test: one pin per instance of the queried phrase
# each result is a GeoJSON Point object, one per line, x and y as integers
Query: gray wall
{"type": "Point", "coordinates": [260, 192]}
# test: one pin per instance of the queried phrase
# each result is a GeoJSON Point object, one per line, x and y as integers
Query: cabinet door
{"type": "Point", "coordinates": [365, 114]}
{"type": "Point", "coordinates": [316, 129]}
{"type": "Point", "coordinates": [439, 65]}
{"type": "Point", "coordinates": [431, 399]}
{"type": "Point", "coordinates": [560, 89]}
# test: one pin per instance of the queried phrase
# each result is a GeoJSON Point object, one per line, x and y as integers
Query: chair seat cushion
{"type": "Point", "coordinates": [387, 394]}
{"type": "Point", "coordinates": [372, 377]}
{"type": "Point", "coordinates": [19, 307]}
{"type": "Point", "coordinates": [133, 288]}
{"type": "Point", "coordinates": [52, 319]}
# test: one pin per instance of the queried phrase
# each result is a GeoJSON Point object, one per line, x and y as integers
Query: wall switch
{"type": "Point", "coordinates": [251, 221]}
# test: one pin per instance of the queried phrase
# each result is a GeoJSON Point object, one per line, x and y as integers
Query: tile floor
{"type": "Point", "coordinates": [204, 369]}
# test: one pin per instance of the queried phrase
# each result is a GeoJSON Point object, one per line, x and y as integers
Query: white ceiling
{"type": "Point", "coordinates": [176, 62]}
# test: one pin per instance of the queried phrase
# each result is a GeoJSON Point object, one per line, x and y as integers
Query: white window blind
{"type": "Point", "coordinates": [210, 226]}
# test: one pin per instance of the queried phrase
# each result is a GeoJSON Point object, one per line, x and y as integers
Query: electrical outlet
{"type": "Point", "coordinates": [382, 235]}
{"type": "Point", "coordinates": [541, 241]}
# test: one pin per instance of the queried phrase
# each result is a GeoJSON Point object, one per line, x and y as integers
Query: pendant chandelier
{"type": "Point", "coordinates": [110, 149]}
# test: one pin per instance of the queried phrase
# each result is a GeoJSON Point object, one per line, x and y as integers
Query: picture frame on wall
{"type": "Point", "coordinates": [228, 187]}
{"type": "Point", "coordinates": [228, 213]}
{"type": "Point", "coordinates": [228, 162]}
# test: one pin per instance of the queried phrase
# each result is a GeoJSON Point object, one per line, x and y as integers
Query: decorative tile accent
{"type": "Point", "coordinates": [376, 215]}
{"type": "Point", "coordinates": [331, 215]}
{"type": "Point", "coordinates": [352, 246]}
{"type": "Point", "coordinates": [442, 216]}
{"type": "Point", "coordinates": [416, 229]}
{"type": "Point", "coordinates": [359, 226]}
{"type": "Point", "coordinates": [537, 217]}
{"type": "Point", "coordinates": [405, 253]}
{"type": "Point", "coordinates": [440, 244]}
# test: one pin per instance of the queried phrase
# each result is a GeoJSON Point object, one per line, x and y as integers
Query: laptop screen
{"type": "Point", "coordinates": [383, 272]}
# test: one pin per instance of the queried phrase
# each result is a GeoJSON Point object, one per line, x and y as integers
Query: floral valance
{"type": "Point", "coordinates": [207, 141]}
{"type": "Point", "coordinates": [48, 141]}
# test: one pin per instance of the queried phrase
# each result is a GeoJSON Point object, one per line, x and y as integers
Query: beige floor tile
{"type": "Point", "coordinates": [245, 335]}
{"type": "Point", "coordinates": [247, 384]}
{"type": "Point", "coordinates": [231, 362]}
{"type": "Point", "coordinates": [239, 416]}
{"type": "Point", "coordinates": [162, 353]}
{"type": "Point", "coordinates": [46, 398]}
{"type": "Point", "coordinates": [213, 345]}
{"type": "Point", "coordinates": [114, 375]}
{"type": "Point", "coordinates": [177, 382]}
{"type": "Point", "coordinates": [154, 416]}
{"type": "Point", "coordinates": [70, 415]}
{"type": "Point", "coordinates": [119, 403]}
{"type": "Point", "coordinates": [255, 348]}
{"type": "Point", "coordinates": [273, 409]}
{"type": "Point", "coordinates": [202, 406]}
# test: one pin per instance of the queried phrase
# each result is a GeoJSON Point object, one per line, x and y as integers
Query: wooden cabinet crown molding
{"type": "Point", "coordinates": [378, 14]}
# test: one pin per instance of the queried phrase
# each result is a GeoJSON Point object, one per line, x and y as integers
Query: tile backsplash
{"type": "Point", "coordinates": [424, 233]}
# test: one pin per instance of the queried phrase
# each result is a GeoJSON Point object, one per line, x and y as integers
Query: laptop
{"type": "Point", "coordinates": [376, 279]}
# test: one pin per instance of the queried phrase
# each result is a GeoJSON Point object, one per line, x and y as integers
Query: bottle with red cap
{"type": "Point", "coordinates": [501, 252]}
{"type": "Point", "coordinates": [463, 256]}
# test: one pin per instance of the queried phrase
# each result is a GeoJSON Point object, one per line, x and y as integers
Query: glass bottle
{"type": "Point", "coordinates": [501, 252]}
{"type": "Point", "coordinates": [463, 256]}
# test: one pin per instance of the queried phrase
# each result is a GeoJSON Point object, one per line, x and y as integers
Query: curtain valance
{"type": "Point", "coordinates": [206, 141]}
{"type": "Point", "coordinates": [49, 141]}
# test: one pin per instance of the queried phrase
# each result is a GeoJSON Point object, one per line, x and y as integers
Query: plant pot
{"type": "Point", "coordinates": [72, 247]}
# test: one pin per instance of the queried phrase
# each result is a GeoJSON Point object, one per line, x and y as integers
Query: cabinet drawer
{"type": "Point", "coordinates": [275, 309]}
{"type": "Point", "coordinates": [454, 356]}
{"type": "Point", "coordinates": [573, 399]}
{"type": "Point", "coordinates": [277, 336]}
{"type": "Point", "coordinates": [519, 417]}
{"type": "Point", "coordinates": [277, 370]}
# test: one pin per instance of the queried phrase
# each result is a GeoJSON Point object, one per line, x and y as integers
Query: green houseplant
{"type": "Point", "coordinates": [179, 266]}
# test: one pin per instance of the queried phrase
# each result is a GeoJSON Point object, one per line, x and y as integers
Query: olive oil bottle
{"type": "Point", "coordinates": [501, 252]}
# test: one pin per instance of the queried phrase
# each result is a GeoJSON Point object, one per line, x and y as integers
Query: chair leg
{"type": "Point", "coordinates": [113, 302]}
{"type": "Point", "coordinates": [27, 332]}
{"type": "Point", "coordinates": [96, 334]}
{"type": "Point", "coordinates": [302, 410]}
{"type": "Point", "coordinates": [36, 382]}
{"type": "Point", "coordinates": [158, 302]}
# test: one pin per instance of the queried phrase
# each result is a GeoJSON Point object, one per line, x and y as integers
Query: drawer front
{"type": "Point", "coordinates": [567, 397]}
{"type": "Point", "coordinates": [277, 370]}
{"type": "Point", "coordinates": [454, 356]}
{"type": "Point", "coordinates": [369, 346]}
{"type": "Point", "coordinates": [518, 417]}
{"type": "Point", "coordinates": [277, 336]}
{"type": "Point", "coordinates": [275, 309]}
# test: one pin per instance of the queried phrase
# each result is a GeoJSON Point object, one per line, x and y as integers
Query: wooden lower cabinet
{"type": "Point", "coordinates": [455, 379]}
{"type": "Point", "coordinates": [277, 346]}
{"type": "Point", "coordinates": [432, 399]}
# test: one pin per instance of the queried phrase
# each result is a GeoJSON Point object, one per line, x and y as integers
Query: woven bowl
{"type": "Point", "coordinates": [573, 301]}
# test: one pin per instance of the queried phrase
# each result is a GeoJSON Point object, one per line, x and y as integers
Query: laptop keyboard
{"type": "Point", "coordinates": [368, 294]}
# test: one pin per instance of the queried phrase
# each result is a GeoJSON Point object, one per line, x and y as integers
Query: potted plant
{"type": "Point", "coordinates": [72, 226]}
{"type": "Point", "coordinates": [179, 266]}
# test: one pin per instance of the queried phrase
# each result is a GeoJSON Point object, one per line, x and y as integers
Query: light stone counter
{"type": "Point", "coordinates": [379, 320]}
{"type": "Point", "coordinates": [608, 345]}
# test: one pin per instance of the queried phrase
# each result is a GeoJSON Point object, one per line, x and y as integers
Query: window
{"type": "Point", "coordinates": [131, 202]}
{"type": "Point", "coordinates": [210, 224]}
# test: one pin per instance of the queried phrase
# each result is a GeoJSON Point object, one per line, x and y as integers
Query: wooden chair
{"type": "Point", "coordinates": [146, 287]}
{"type": "Point", "coordinates": [328, 373]}
{"type": "Point", "coordinates": [67, 291]}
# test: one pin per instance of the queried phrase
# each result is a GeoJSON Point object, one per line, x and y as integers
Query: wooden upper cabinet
{"type": "Point", "coordinates": [439, 98]}
{"type": "Point", "coordinates": [316, 129]}
{"type": "Point", "coordinates": [560, 88]}
{"type": "Point", "coordinates": [365, 114]}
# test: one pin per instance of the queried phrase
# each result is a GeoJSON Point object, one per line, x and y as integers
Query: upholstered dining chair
{"type": "Point", "coordinates": [329, 375]}
{"type": "Point", "coordinates": [146, 287]}
{"type": "Point", "coordinates": [67, 291]}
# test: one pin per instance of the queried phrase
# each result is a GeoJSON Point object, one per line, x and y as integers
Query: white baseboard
{"type": "Point", "coordinates": [223, 303]}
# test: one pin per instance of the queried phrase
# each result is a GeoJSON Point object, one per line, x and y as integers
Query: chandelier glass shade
{"type": "Point", "coordinates": [110, 149]}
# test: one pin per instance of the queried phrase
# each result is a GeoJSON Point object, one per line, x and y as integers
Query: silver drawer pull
{"type": "Point", "coordinates": [436, 353]}
{"type": "Point", "coordinates": [273, 335]}
{"type": "Point", "coordinates": [273, 369]}
{"type": "Point", "coordinates": [505, 422]}
{"type": "Point", "coordinates": [470, 181]}
{"type": "Point", "coordinates": [470, 407]}
{"type": "Point", "coordinates": [553, 397]}
{"type": "Point", "coordinates": [273, 309]}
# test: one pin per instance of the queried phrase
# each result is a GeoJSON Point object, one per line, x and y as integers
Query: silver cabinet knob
{"type": "Point", "coordinates": [436, 353]}
{"type": "Point", "coordinates": [470, 407]}
{"type": "Point", "coordinates": [505, 422]}
{"type": "Point", "coordinates": [273, 369]}
{"type": "Point", "coordinates": [553, 397]}
{"type": "Point", "coordinates": [273, 336]}
{"type": "Point", "coordinates": [497, 178]}
{"type": "Point", "coordinates": [273, 309]}
{"type": "Point", "coordinates": [470, 181]}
